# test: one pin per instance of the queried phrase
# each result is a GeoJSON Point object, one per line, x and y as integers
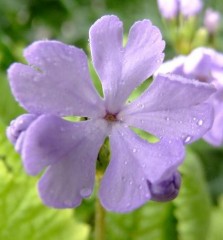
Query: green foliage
{"type": "Point", "coordinates": [153, 221]}
{"type": "Point", "coordinates": [22, 215]}
{"type": "Point", "coordinates": [185, 218]}
{"type": "Point", "coordinates": [9, 108]}
{"type": "Point", "coordinates": [216, 230]}
{"type": "Point", "coordinates": [193, 207]}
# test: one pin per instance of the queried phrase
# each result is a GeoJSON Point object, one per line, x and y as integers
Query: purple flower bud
{"type": "Point", "coordinates": [172, 8]}
{"type": "Point", "coordinates": [212, 20]}
{"type": "Point", "coordinates": [166, 190]}
{"type": "Point", "coordinates": [15, 132]}
{"type": "Point", "coordinates": [168, 9]}
{"type": "Point", "coordinates": [189, 8]}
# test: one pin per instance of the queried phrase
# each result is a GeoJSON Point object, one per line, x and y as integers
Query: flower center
{"type": "Point", "coordinates": [110, 117]}
{"type": "Point", "coordinates": [202, 78]}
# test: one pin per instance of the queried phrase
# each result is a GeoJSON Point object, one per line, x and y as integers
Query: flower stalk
{"type": "Point", "coordinates": [100, 214]}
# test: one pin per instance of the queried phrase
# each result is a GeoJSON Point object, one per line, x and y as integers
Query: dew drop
{"type": "Point", "coordinates": [200, 122]}
{"type": "Point", "coordinates": [20, 122]}
{"type": "Point", "coordinates": [142, 106]}
{"type": "Point", "coordinates": [167, 118]}
{"type": "Point", "coordinates": [68, 203]}
{"type": "Point", "coordinates": [142, 121]}
{"type": "Point", "coordinates": [128, 205]}
{"type": "Point", "coordinates": [123, 179]}
{"type": "Point", "coordinates": [130, 182]}
{"type": "Point", "coordinates": [85, 192]}
{"type": "Point", "coordinates": [134, 150]}
{"type": "Point", "coordinates": [187, 139]}
{"type": "Point", "coordinates": [122, 82]}
{"type": "Point", "coordinates": [140, 187]}
{"type": "Point", "coordinates": [147, 195]}
{"type": "Point", "coordinates": [35, 79]}
{"type": "Point", "coordinates": [126, 162]}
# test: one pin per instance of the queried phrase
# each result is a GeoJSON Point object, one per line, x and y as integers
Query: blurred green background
{"type": "Point", "coordinates": [197, 214]}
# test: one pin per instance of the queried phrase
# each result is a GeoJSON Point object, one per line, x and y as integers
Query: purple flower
{"type": "Point", "coordinates": [205, 65]}
{"type": "Point", "coordinates": [172, 8]}
{"type": "Point", "coordinates": [212, 20]}
{"type": "Point", "coordinates": [56, 83]}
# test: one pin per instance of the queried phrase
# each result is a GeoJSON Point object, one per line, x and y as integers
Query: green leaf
{"type": "Point", "coordinates": [216, 230]}
{"type": "Point", "coordinates": [193, 206]}
{"type": "Point", "coordinates": [23, 215]}
{"type": "Point", "coordinates": [153, 221]}
{"type": "Point", "coordinates": [9, 108]}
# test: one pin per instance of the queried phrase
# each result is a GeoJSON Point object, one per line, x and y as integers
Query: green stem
{"type": "Point", "coordinates": [100, 226]}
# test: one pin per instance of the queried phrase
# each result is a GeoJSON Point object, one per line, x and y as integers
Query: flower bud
{"type": "Point", "coordinates": [166, 190]}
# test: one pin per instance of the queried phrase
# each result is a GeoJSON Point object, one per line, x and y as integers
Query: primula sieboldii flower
{"type": "Point", "coordinates": [172, 8]}
{"type": "Point", "coordinates": [205, 65]}
{"type": "Point", "coordinates": [56, 83]}
{"type": "Point", "coordinates": [212, 20]}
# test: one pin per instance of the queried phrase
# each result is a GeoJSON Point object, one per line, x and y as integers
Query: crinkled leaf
{"type": "Point", "coordinates": [193, 203]}
{"type": "Point", "coordinates": [153, 221]}
{"type": "Point", "coordinates": [23, 216]}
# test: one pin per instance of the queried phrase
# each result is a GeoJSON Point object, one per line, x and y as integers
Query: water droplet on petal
{"type": "Point", "coordinates": [85, 192]}
{"type": "Point", "coordinates": [35, 79]}
{"type": "Point", "coordinates": [130, 182]}
{"type": "Point", "coordinates": [142, 106]}
{"type": "Point", "coordinates": [123, 179]}
{"type": "Point", "coordinates": [200, 122]}
{"type": "Point", "coordinates": [20, 122]}
{"type": "Point", "coordinates": [147, 195]}
{"type": "Point", "coordinates": [187, 139]}
{"type": "Point", "coordinates": [134, 150]}
{"type": "Point", "coordinates": [143, 165]}
{"type": "Point", "coordinates": [68, 203]}
{"type": "Point", "coordinates": [167, 118]}
{"type": "Point", "coordinates": [126, 162]}
{"type": "Point", "coordinates": [140, 187]}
